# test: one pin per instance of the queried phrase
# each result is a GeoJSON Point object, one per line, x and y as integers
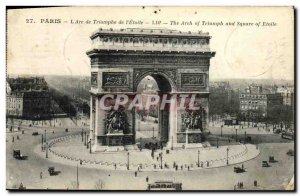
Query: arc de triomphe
{"type": "Point", "coordinates": [178, 61]}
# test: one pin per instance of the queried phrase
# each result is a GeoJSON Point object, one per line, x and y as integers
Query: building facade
{"type": "Point", "coordinates": [179, 63]}
{"type": "Point", "coordinates": [28, 98]}
{"type": "Point", "coordinates": [255, 100]}
{"type": "Point", "coordinates": [287, 92]}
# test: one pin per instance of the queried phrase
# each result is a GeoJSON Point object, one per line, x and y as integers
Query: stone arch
{"type": "Point", "coordinates": [160, 77]}
{"type": "Point", "coordinates": [166, 85]}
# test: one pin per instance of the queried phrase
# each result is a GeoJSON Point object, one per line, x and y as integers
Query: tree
{"type": "Point", "coordinates": [280, 114]}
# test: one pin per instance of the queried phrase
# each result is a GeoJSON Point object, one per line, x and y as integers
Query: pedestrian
{"type": "Point", "coordinates": [188, 168]}
{"type": "Point", "coordinates": [242, 166]}
{"type": "Point", "coordinates": [181, 167]}
{"type": "Point", "coordinates": [147, 179]}
{"type": "Point", "coordinates": [13, 139]}
{"type": "Point", "coordinates": [18, 137]}
{"type": "Point", "coordinates": [255, 183]}
{"type": "Point", "coordinates": [41, 175]}
{"type": "Point", "coordinates": [135, 173]}
{"type": "Point", "coordinates": [115, 166]}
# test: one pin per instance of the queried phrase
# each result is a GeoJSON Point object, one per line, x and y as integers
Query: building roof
{"type": "Point", "coordinates": [143, 31]}
{"type": "Point", "coordinates": [27, 84]}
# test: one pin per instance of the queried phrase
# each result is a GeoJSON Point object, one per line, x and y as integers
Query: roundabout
{"type": "Point", "coordinates": [70, 150]}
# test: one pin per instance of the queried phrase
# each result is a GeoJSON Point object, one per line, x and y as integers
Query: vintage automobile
{"type": "Point", "coordinates": [164, 185]}
{"type": "Point", "coordinates": [35, 133]}
{"type": "Point", "coordinates": [238, 170]}
{"type": "Point", "coordinates": [17, 155]}
{"type": "Point", "coordinates": [265, 164]}
{"type": "Point", "coordinates": [290, 152]}
{"type": "Point", "coordinates": [287, 135]}
{"type": "Point", "coordinates": [51, 170]}
{"type": "Point", "coordinates": [271, 159]}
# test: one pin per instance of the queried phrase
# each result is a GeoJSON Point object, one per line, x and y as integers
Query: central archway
{"type": "Point", "coordinates": [155, 120]}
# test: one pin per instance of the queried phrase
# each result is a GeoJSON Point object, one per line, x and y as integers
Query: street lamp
{"type": "Point", "coordinates": [227, 154]}
{"type": "Point", "coordinates": [42, 140]}
{"type": "Point", "coordinates": [45, 135]}
{"type": "Point", "coordinates": [245, 137]}
{"type": "Point", "coordinates": [217, 142]}
{"type": "Point", "coordinates": [160, 155]}
{"type": "Point", "coordinates": [198, 163]}
{"type": "Point", "coordinates": [236, 135]}
{"type": "Point", "coordinates": [127, 160]}
{"type": "Point", "coordinates": [82, 135]}
{"type": "Point", "coordinates": [85, 138]}
{"type": "Point", "coordinates": [46, 150]}
{"type": "Point", "coordinates": [153, 132]}
{"type": "Point", "coordinates": [221, 130]}
{"type": "Point", "coordinates": [90, 146]}
{"type": "Point", "coordinates": [87, 143]}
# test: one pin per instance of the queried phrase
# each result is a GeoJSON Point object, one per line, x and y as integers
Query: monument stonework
{"type": "Point", "coordinates": [178, 61]}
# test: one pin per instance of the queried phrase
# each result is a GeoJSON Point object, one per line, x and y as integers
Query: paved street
{"type": "Point", "coordinates": [275, 177]}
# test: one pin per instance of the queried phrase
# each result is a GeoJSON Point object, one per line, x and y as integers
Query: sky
{"type": "Point", "coordinates": [248, 52]}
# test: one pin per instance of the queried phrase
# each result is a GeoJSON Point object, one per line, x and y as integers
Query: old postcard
{"type": "Point", "coordinates": [150, 98]}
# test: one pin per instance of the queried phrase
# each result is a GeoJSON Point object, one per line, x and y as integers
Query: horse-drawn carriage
{"type": "Point", "coordinates": [238, 170]}
{"type": "Point", "coordinates": [17, 155]}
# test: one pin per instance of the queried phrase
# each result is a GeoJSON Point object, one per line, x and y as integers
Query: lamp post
{"type": "Point", "coordinates": [160, 155]}
{"type": "Point", "coordinates": [77, 179]}
{"type": "Point", "coordinates": [172, 144]}
{"type": "Point", "coordinates": [45, 135]}
{"type": "Point", "coordinates": [198, 163]}
{"type": "Point", "coordinates": [127, 160]}
{"type": "Point", "coordinates": [221, 130]}
{"type": "Point", "coordinates": [42, 141]}
{"type": "Point", "coordinates": [245, 137]}
{"type": "Point", "coordinates": [236, 135]}
{"type": "Point", "coordinates": [87, 141]}
{"type": "Point", "coordinates": [90, 146]}
{"type": "Point", "coordinates": [85, 138]}
{"type": "Point", "coordinates": [82, 135]}
{"type": "Point", "coordinates": [217, 142]}
{"type": "Point", "coordinates": [153, 132]}
{"type": "Point", "coordinates": [46, 150]}
{"type": "Point", "coordinates": [227, 155]}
